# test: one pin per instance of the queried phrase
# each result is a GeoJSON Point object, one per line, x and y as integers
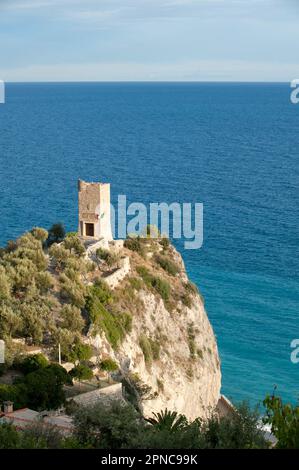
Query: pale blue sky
{"type": "Point", "coordinates": [247, 40]}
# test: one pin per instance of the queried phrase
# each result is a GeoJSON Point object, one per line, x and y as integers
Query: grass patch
{"type": "Point", "coordinates": [136, 283]}
{"type": "Point", "coordinates": [114, 325]}
{"type": "Point", "coordinates": [191, 340]}
{"type": "Point", "coordinates": [150, 349]}
{"type": "Point", "coordinates": [161, 286]}
{"type": "Point", "coordinates": [108, 365]}
{"type": "Point", "coordinates": [146, 349]}
{"type": "Point", "coordinates": [110, 258]}
{"type": "Point", "coordinates": [191, 288]}
{"type": "Point", "coordinates": [169, 266]}
{"type": "Point", "coordinates": [135, 244]}
{"type": "Point", "coordinates": [187, 300]}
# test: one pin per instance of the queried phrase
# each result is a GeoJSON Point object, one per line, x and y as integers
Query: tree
{"type": "Point", "coordinates": [40, 234]}
{"type": "Point", "coordinates": [44, 282]}
{"type": "Point", "coordinates": [240, 430]}
{"type": "Point", "coordinates": [284, 421]}
{"type": "Point", "coordinates": [109, 365]}
{"type": "Point", "coordinates": [56, 233]}
{"type": "Point", "coordinates": [81, 372]}
{"type": "Point", "coordinates": [80, 352]}
{"type": "Point", "coordinates": [9, 437]}
{"type": "Point", "coordinates": [33, 363]}
{"type": "Point", "coordinates": [168, 420]}
{"type": "Point", "coordinates": [10, 322]}
{"type": "Point", "coordinates": [108, 427]}
{"type": "Point", "coordinates": [45, 387]}
{"type": "Point", "coordinates": [72, 318]}
{"type": "Point", "coordinates": [59, 256]}
{"type": "Point", "coordinates": [74, 245]}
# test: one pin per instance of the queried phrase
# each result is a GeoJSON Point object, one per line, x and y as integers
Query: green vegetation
{"type": "Point", "coordinates": [161, 286]}
{"type": "Point", "coordinates": [167, 264]}
{"type": "Point", "coordinates": [79, 352]}
{"type": "Point", "coordinates": [81, 372]}
{"type": "Point", "coordinates": [165, 243]}
{"type": "Point", "coordinates": [191, 288]}
{"type": "Point", "coordinates": [135, 244]}
{"type": "Point", "coordinates": [40, 388]}
{"type": "Point", "coordinates": [109, 365]}
{"type": "Point", "coordinates": [136, 283]}
{"type": "Point", "coordinates": [284, 421]}
{"type": "Point", "coordinates": [111, 259]}
{"type": "Point", "coordinates": [150, 349]}
{"type": "Point", "coordinates": [56, 234]}
{"type": "Point", "coordinates": [186, 300]}
{"type": "Point", "coordinates": [115, 325]}
{"type": "Point", "coordinates": [32, 363]}
{"type": "Point", "coordinates": [191, 340]}
{"type": "Point", "coordinates": [122, 427]}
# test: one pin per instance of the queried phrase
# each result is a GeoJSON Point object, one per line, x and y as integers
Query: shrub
{"type": "Point", "coordinates": [155, 347]}
{"type": "Point", "coordinates": [16, 393]}
{"type": "Point", "coordinates": [71, 234]}
{"type": "Point", "coordinates": [160, 285]}
{"type": "Point", "coordinates": [45, 387]}
{"type": "Point", "coordinates": [59, 256]}
{"type": "Point", "coordinates": [187, 300]}
{"type": "Point", "coordinates": [152, 231]}
{"type": "Point", "coordinates": [56, 234]}
{"type": "Point", "coordinates": [145, 346]}
{"type": "Point", "coordinates": [72, 291]}
{"type": "Point", "coordinates": [191, 288]}
{"type": "Point", "coordinates": [150, 348]}
{"type": "Point", "coordinates": [105, 255]}
{"type": "Point", "coordinates": [74, 245]}
{"type": "Point", "coordinates": [101, 291]}
{"type": "Point", "coordinates": [40, 234]}
{"type": "Point", "coordinates": [169, 266]}
{"type": "Point", "coordinates": [44, 282]}
{"type": "Point", "coordinates": [136, 283]}
{"type": "Point", "coordinates": [72, 318]}
{"type": "Point", "coordinates": [109, 365]}
{"type": "Point", "coordinates": [105, 321]}
{"type": "Point", "coordinates": [80, 352]}
{"type": "Point", "coordinates": [125, 321]}
{"type": "Point", "coordinates": [9, 437]}
{"type": "Point", "coordinates": [284, 422]}
{"type": "Point", "coordinates": [32, 363]}
{"type": "Point", "coordinates": [81, 372]}
{"type": "Point", "coordinates": [191, 340]}
{"type": "Point", "coordinates": [164, 242]}
{"type": "Point", "coordinates": [135, 244]}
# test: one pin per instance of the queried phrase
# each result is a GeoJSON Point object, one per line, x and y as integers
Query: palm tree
{"type": "Point", "coordinates": [168, 420]}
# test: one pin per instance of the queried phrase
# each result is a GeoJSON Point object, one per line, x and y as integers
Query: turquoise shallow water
{"type": "Point", "coordinates": [233, 147]}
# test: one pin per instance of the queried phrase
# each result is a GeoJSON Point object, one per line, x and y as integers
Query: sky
{"type": "Point", "coordinates": [149, 40]}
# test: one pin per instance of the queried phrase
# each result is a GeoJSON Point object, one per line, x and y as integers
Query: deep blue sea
{"type": "Point", "coordinates": [233, 147]}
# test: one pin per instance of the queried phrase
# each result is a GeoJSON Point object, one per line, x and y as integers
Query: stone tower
{"type": "Point", "coordinates": [94, 210]}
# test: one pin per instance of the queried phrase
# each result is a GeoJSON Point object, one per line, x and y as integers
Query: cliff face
{"type": "Point", "coordinates": [170, 354]}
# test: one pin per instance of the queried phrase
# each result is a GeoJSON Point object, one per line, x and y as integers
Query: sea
{"type": "Point", "coordinates": [234, 147]}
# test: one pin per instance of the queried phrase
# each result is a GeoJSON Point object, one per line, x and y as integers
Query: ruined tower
{"type": "Point", "coordinates": [94, 210]}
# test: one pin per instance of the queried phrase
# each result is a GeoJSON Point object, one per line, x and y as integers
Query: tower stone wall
{"type": "Point", "coordinates": [94, 210]}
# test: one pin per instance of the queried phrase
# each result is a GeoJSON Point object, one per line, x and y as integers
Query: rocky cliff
{"type": "Point", "coordinates": [131, 301]}
{"type": "Point", "coordinates": [170, 354]}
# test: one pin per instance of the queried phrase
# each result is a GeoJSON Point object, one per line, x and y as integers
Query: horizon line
{"type": "Point", "coordinates": [146, 81]}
